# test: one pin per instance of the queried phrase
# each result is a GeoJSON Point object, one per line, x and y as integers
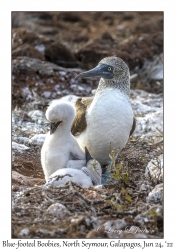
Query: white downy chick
{"type": "Point", "coordinates": [60, 148]}
{"type": "Point", "coordinates": [87, 176]}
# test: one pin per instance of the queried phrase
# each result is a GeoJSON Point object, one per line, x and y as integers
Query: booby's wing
{"type": "Point", "coordinates": [79, 123]}
{"type": "Point", "coordinates": [133, 126]}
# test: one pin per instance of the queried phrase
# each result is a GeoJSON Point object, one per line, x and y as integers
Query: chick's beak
{"type": "Point", "coordinates": [54, 126]}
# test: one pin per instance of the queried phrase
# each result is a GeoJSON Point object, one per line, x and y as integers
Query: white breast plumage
{"type": "Point", "coordinates": [109, 122]}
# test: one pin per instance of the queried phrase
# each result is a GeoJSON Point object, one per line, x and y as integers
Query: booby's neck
{"type": "Point", "coordinates": [121, 83]}
{"type": "Point", "coordinates": [63, 130]}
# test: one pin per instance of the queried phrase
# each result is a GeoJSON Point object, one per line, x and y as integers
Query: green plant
{"type": "Point", "coordinates": [119, 171]}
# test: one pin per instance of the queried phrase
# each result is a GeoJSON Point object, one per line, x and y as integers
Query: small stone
{"type": "Point", "coordinates": [56, 87]}
{"type": "Point", "coordinates": [80, 88]}
{"type": "Point", "coordinates": [26, 93]}
{"type": "Point", "coordinates": [37, 139]}
{"type": "Point", "coordinates": [36, 114]}
{"type": "Point", "coordinates": [114, 227]}
{"type": "Point", "coordinates": [154, 169]}
{"type": "Point", "coordinates": [96, 233]}
{"type": "Point", "coordinates": [77, 220]}
{"type": "Point", "coordinates": [62, 73]}
{"type": "Point", "coordinates": [40, 48]}
{"type": "Point", "coordinates": [19, 147]}
{"type": "Point", "coordinates": [91, 221]}
{"type": "Point", "coordinates": [145, 188]}
{"type": "Point", "coordinates": [58, 210]}
{"type": "Point", "coordinates": [15, 188]}
{"type": "Point", "coordinates": [98, 187]}
{"type": "Point", "coordinates": [46, 94]}
{"type": "Point", "coordinates": [24, 232]}
{"type": "Point", "coordinates": [159, 211]}
{"type": "Point", "coordinates": [140, 219]}
{"type": "Point", "coordinates": [156, 195]}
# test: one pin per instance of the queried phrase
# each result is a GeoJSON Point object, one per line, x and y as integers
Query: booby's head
{"type": "Point", "coordinates": [60, 113]}
{"type": "Point", "coordinates": [108, 68]}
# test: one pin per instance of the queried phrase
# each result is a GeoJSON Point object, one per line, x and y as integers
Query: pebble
{"type": "Point", "coordinates": [58, 210]}
{"type": "Point", "coordinates": [77, 220]}
{"type": "Point", "coordinates": [37, 139]}
{"type": "Point", "coordinates": [36, 114]}
{"type": "Point", "coordinates": [154, 169]}
{"type": "Point", "coordinates": [46, 94]}
{"type": "Point", "coordinates": [91, 221]}
{"type": "Point", "coordinates": [114, 228]}
{"type": "Point", "coordinates": [24, 232]}
{"type": "Point", "coordinates": [98, 187]}
{"type": "Point", "coordinates": [19, 147]}
{"type": "Point", "coordinates": [141, 219]}
{"type": "Point", "coordinates": [156, 195]}
{"type": "Point", "coordinates": [145, 188]}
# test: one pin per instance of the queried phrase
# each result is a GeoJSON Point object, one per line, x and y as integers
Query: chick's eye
{"type": "Point", "coordinates": [109, 68]}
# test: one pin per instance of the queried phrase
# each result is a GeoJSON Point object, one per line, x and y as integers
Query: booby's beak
{"type": "Point", "coordinates": [54, 126]}
{"type": "Point", "coordinates": [102, 70]}
{"type": "Point", "coordinates": [88, 156]}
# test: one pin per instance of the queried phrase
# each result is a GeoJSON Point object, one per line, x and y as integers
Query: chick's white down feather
{"type": "Point", "coordinates": [85, 177]}
{"type": "Point", "coordinates": [60, 149]}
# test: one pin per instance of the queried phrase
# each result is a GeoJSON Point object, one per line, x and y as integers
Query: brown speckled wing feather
{"type": "Point", "coordinates": [79, 123]}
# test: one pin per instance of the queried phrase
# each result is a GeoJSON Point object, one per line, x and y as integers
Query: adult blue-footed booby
{"type": "Point", "coordinates": [106, 118]}
{"type": "Point", "coordinates": [60, 148]}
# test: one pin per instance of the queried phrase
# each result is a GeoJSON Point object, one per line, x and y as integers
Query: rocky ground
{"type": "Point", "coordinates": [48, 50]}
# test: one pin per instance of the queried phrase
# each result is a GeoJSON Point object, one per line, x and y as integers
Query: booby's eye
{"type": "Point", "coordinates": [109, 68]}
